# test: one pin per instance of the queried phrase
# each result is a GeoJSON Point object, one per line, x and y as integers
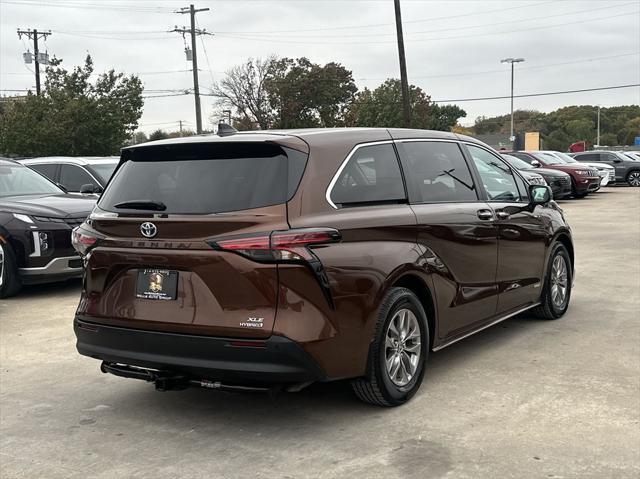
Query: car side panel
{"type": "Point", "coordinates": [376, 242]}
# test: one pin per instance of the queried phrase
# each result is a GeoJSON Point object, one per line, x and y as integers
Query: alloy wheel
{"type": "Point", "coordinates": [634, 178]}
{"type": "Point", "coordinates": [559, 281]}
{"type": "Point", "coordinates": [402, 347]}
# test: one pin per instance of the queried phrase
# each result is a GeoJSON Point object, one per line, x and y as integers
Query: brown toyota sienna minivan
{"type": "Point", "coordinates": [273, 259]}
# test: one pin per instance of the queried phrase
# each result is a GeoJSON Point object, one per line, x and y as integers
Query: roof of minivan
{"type": "Point", "coordinates": [76, 160]}
{"type": "Point", "coordinates": [311, 136]}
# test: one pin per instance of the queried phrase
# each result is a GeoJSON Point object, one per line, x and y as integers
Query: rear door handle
{"type": "Point", "coordinates": [485, 214]}
{"type": "Point", "coordinates": [502, 215]}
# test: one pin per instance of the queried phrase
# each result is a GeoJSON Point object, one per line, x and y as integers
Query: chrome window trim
{"type": "Point", "coordinates": [381, 142]}
{"type": "Point", "coordinates": [334, 180]}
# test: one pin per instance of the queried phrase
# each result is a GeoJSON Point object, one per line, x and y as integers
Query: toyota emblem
{"type": "Point", "coordinates": [148, 230]}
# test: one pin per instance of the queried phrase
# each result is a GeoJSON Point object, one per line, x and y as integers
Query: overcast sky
{"type": "Point", "coordinates": [453, 47]}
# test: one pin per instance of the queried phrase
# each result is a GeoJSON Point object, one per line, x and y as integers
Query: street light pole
{"type": "Point", "coordinates": [598, 137]}
{"type": "Point", "coordinates": [512, 137]}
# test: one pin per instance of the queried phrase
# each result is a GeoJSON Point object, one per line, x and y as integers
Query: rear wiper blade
{"type": "Point", "coordinates": [142, 205]}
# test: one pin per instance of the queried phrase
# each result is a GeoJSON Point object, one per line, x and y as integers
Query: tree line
{"type": "Point", "coordinates": [76, 116]}
{"type": "Point", "coordinates": [619, 125]}
{"type": "Point", "coordinates": [297, 93]}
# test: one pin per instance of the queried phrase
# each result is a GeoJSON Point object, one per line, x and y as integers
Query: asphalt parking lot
{"type": "Point", "coordinates": [524, 399]}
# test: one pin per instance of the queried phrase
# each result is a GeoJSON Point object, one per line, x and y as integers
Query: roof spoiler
{"type": "Point", "coordinates": [225, 129]}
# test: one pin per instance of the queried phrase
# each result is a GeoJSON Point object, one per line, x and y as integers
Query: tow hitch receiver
{"type": "Point", "coordinates": [169, 381]}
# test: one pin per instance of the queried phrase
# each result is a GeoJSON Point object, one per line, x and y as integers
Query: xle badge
{"type": "Point", "coordinates": [252, 323]}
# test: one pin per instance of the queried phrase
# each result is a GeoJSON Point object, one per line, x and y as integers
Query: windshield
{"type": "Point", "coordinates": [633, 155]}
{"type": "Point", "coordinates": [18, 180]}
{"type": "Point", "coordinates": [548, 158]}
{"type": "Point", "coordinates": [517, 163]}
{"type": "Point", "coordinates": [103, 171]}
{"type": "Point", "coordinates": [564, 157]}
{"type": "Point", "coordinates": [204, 178]}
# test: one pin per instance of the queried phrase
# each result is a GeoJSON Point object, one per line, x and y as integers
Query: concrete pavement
{"type": "Point", "coordinates": [524, 399]}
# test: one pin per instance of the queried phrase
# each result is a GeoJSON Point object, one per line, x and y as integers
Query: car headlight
{"type": "Point", "coordinates": [584, 172]}
{"type": "Point", "coordinates": [538, 180]}
{"type": "Point", "coordinates": [23, 218]}
{"type": "Point", "coordinates": [41, 243]}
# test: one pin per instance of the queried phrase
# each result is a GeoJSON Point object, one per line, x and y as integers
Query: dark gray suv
{"type": "Point", "coordinates": [627, 170]}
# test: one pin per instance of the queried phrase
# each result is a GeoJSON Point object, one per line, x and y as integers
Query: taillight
{"type": "Point", "coordinates": [82, 240]}
{"type": "Point", "coordinates": [289, 245]}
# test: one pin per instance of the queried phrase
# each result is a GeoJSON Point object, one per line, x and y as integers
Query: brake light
{"type": "Point", "coordinates": [289, 245]}
{"type": "Point", "coordinates": [82, 241]}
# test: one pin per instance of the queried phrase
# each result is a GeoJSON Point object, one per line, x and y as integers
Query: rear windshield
{"type": "Point", "coordinates": [205, 178]}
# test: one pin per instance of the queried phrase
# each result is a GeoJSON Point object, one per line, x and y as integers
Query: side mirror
{"type": "Point", "coordinates": [90, 188]}
{"type": "Point", "coordinates": [535, 163]}
{"type": "Point", "coordinates": [617, 160]}
{"type": "Point", "coordinates": [539, 194]}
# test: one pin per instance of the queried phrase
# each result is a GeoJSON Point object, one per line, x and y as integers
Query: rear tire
{"type": "Point", "coordinates": [556, 292]}
{"type": "Point", "coordinates": [398, 352]}
{"type": "Point", "coordinates": [10, 282]}
{"type": "Point", "coordinates": [633, 178]}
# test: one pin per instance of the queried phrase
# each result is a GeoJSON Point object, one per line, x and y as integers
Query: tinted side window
{"type": "Point", "coordinates": [523, 157]}
{"type": "Point", "coordinates": [588, 157]}
{"type": "Point", "coordinates": [609, 156]}
{"type": "Point", "coordinates": [73, 177]}
{"type": "Point", "coordinates": [523, 187]}
{"type": "Point", "coordinates": [497, 178]}
{"type": "Point", "coordinates": [371, 175]}
{"type": "Point", "coordinates": [437, 171]}
{"type": "Point", "coordinates": [48, 170]}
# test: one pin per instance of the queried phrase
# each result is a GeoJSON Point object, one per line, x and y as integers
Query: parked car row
{"type": "Point", "coordinates": [87, 175]}
{"type": "Point", "coordinates": [626, 164]}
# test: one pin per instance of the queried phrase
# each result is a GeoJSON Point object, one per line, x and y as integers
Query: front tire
{"type": "Point", "coordinates": [575, 193]}
{"type": "Point", "coordinates": [398, 352]}
{"type": "Point", "coordinates": [10, 282]}
{"type": "Point", "coordinates": [633, 178]}
{"type": "Point", "coordinates": [556, 293]}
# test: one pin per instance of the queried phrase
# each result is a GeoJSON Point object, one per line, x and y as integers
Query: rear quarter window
{"type": "Point", "coordinates": [372, 175]}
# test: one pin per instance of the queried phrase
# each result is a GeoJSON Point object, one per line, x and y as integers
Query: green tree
{"type": "Point", "coordinates": [303, 94]}
{"type": "Point", "coordinates": [243, 89]}
{"type": "Point", "coordinates": [73, 116]}
{"type": "Point", "coordinates": [158, 135]}
{"type": "Point", "coordinates": [382, 107]}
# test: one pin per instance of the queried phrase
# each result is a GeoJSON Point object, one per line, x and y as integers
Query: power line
{"type": "Point", "coordinates": [351, 27]}
{"type": "Point", "coordinates": [35, 36]}
{"type": "Point", "coordinates": [448, 29]}
{"type": "Point", "coordinates": [544, 27]}
{"type": "Point", "coordinates": [89, 6]}
{"type": "Point", "coordinates": [532, 67]}
{"type": "Point", "coordinates": [193, 31]}
{"type": "Point", "coordinates": [459, 100]}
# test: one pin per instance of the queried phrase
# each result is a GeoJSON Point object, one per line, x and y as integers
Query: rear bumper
{"type": "Point", "coordinates": [276, 360]}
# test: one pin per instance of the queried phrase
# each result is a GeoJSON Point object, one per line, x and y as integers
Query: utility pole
{"type": "Point", "coordinates": [191, 10]}
{"type": "Point", "coordinates": [180, 127]}
{"type": "Point", "coordinates": [598, 137]}
{"type": "Point", "coordinates": [406, 105]}
{"type": "Point", "coordinates": [512, 137]}
{"type": "Point", "coordinates": [35, 35]}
